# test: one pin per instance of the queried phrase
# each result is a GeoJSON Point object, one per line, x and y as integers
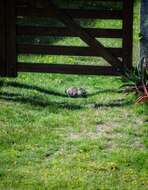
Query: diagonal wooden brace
{"type": "Point", "coordinates": [87, 38]}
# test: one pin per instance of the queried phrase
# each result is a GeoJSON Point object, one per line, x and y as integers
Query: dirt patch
{"type": "Point", "coordinates": [100, 130]}
{"type": "Point", "coordinates": [74, 136]}
{"type": "Point", "coordinates": [137, 144]}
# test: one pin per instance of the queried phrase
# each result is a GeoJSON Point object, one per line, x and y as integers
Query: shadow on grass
{"type": "Point", "coordinates": [34, 101]}
{"type": "Point", "coordinates": [102, 91]}
{"type": "Point", "coordinates": [31, 87]}
{"type": "Point", "coordinates": [51, 92]}
{"type": "Point", "coordinates": [115, 103]}
{"type": "Point", "coordinates": [38, 101]}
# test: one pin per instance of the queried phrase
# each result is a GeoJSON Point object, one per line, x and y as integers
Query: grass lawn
{"type": "Point", "coordinates": [49, 141]}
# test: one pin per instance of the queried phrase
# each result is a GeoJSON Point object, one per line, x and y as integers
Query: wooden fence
{"type": "Point", "coordinates": [120, 59]}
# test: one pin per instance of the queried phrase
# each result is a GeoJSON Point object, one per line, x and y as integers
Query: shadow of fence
{"type": "Point", "coordinates": [36, 100]}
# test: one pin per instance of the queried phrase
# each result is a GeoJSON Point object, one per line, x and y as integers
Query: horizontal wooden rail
{"type": "Point", "coordinates": [73, 13]}
{"type": "Point", "coordinates": [65, 50]}
{"type": "Point", "coordinates": [107, 0]}
{"type": "Point", "coordinates": [61, 31]}
{"type": "Point", "coordinates": [67, 69]}
{"type": "Point", "coordinates": [23, 1]}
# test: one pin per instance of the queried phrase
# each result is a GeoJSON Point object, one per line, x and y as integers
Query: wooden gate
{"type": "Point", "coordinates": [120, 59]}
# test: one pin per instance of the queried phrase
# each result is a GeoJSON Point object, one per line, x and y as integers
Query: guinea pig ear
{"type": "Point", "coordinates": [66, 90]}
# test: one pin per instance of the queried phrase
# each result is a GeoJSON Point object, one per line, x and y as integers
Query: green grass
{"type": "Point", "coordinates": [50, 141]}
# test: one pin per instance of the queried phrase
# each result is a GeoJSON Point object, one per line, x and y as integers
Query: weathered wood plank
{"type": "Point", "coordinates": [73, 13]}
{"type": "Point", "coordinates": [128, 34]}
{"type": "Point", "coordinates": [61, 31]}
{"type": "Point", "coordinates": [11, 39]}
{"type": "Point", "coordinates": [2, 39]}
{"type": "Point", "coordinates": [23, 1]}
{"type": "Point", "coordinates": [26, 2]}
{"type": "Point", "coordinates": [65, 50]}
{"type": "Point", "coordinates": [68, 69]}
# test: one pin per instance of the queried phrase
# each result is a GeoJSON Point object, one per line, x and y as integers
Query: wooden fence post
{"type": "Point", "coordinates": [11, 55]}
{"type": "Point", "coordinates": [2, 39]}
{"type": "Point", "coordinates": [128, 34]}
{"type": "Point", "coordinates": [144, 29]}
